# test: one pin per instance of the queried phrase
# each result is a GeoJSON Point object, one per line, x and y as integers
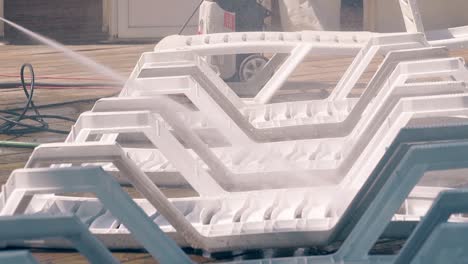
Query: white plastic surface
{"type": "Point", "coordinates": [24, 186]}
{"type": "Point", "coordinates": [212, 217]}
{"type": "Point", "coordinates": [236, 171]}
{"type": "Point", "coordinates": [235, 217]}
{"type": "Point", "coordinates": [274, 122]}
{"type": "Point", "coordinates": [285, 60]}
{"type": "Point", "coordinates": [263, 166]}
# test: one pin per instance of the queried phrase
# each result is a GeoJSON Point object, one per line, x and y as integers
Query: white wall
{"type": "Point", "coordinates": [127, 19]}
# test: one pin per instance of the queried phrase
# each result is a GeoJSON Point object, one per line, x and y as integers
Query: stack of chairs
{"type": "Point", "coordinates": [295, 174]}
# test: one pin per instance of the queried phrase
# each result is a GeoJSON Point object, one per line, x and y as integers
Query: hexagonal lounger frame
{"type": "Point", "coordinates": [24, 184]}
{"type": "Point", "coordinates": [344, 42]}
{"type": "Point", "coordinates": [289, 51]}
{"type": "Point", "coordinates": [221, 209]}
{"type": "Point", "coordinates": [226, 116]}
{"type": "Point", "coordinates": [436, 235]}
{"type": "Point", "coordinates": [433, 242]}
{"type": "Point", "coordinates": [357, 143]}
{"type": "Point", "coordinates": [380, 44]}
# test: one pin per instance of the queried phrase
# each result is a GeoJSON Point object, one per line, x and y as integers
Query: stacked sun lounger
{"type": "Point", "coordinates": [441, 148]}
{"type": "Point", "coordinates": [295, 174]}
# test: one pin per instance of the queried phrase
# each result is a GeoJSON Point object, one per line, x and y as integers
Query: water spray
{"type": "Point", "coordinates": [83, 60]}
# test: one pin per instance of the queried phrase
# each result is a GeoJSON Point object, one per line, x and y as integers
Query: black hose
{"type": "Point", "coordinates": [18, 121]}
{"type": "Point", "coordinates": [9, 85]}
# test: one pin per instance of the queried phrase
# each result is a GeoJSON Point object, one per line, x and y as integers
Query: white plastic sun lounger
{"type": "Point", "coordinates": [288, 49]}
{"type": "Point", "coordinates": [248, 42]}
{"type": "Point", "coordinates": [331, 157]}
{"type": "Point", "coordinates": [275, 79]}
{"type": "Point", "coordinates": [435, 240]}
{"type": "Point", "coordinates": [438, 233]}
{"type": "Point", "coordinates": [172, 60]}
{"type": "Point", "coordinates": [60, 155]}
{"type": "Point", "coordinates": [240, 221]}
{"type": "Point", "coordinates": [344, 42]}
{"type": "Point", "coordinates": [23, 185]}
{"type": "Point", "coordinates": [453, 38]}
{"type": "Point", "coordinates": [285, 120]}
{"type": "Point", "coordinates": [201, 180]}
{"type": "Point", "coordinates": [433, 230]}
{"type": "Point", "coordinates": [240, 168]}
{"type": "Point", "coordinates": [276, 115]}
{"type": "Point", "coordinates": [68, 227]}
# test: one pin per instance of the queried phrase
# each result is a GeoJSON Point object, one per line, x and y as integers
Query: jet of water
{"type": "Point", "coordinates": [83, 60]}
{"type": "Point", "coordinates": [99, 68]}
